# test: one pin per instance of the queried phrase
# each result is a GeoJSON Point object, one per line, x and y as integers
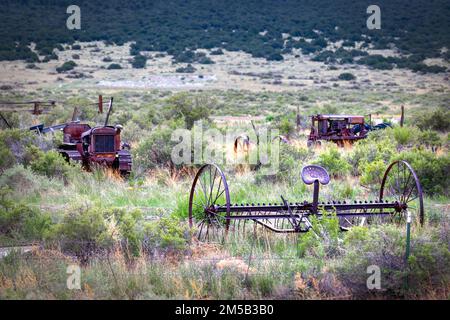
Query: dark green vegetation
{"type": "Point", "coordinates": [347, 76]}
{"type": "Point", "coordinates": [418, 28]}
{"type": "Point", "coordinates": [114, 66]}
{"type": "Point", "coordinates": [66, 66]}
{"type": "Point", "coordinates": [139, 61]}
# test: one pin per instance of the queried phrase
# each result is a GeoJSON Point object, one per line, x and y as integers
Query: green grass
{"type": "Point", "coordinates": [247, 265]}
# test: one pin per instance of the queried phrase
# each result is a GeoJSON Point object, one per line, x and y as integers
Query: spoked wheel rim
{"type": "Point", "coordinates": [400, 183]}
{"type": "Point", "coordinates": [209, 191]}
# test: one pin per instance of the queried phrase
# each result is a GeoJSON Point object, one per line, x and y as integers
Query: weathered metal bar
{"type": "Point", "coordinates": [308, 207]}
{"type": "Point", "coordinates": [306, 214]}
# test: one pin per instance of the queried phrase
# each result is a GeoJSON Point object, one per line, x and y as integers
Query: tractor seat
{"type": "Point", "coordinates": [312, 172]}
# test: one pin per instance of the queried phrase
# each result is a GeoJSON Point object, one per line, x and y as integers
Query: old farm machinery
{"type": "Point", "coordinates": [340, 129]}
{"type": "Point", "coordinates": [213, 214]}
{"type": "Point", "coordinates": [99, 145]}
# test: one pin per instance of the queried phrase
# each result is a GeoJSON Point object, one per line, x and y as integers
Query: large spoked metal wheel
{"type": "Point", "coordinates": [209, 204]}
{"type": "Point", "coordinates": [400, 183]}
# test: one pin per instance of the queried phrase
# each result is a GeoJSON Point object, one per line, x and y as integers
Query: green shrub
{"type": "Point", "coordinates": [114, 66]}
{"type": "Point", "coordinates": [432, 170]}
{"type": "Point", "coordinates": [323, 240]}
{"type": "Point", "coordinates": [20, 179]}
{"type": "Point", "coordinates": [378, 146]}
{"type": "Point", "coordinates": [404, 135]}
{"type": "Point", "coordinates": [188, 69]}
{"type": "Point", "coordinates": [66, 66]}
{"type": "Point", "coordinates": [372, 172]}
{"type": "Point", "coordinates": [376, 61]}
{"type": "Point", "coordinates": [50, 163]}
{"type": "Point", "coordinates": [168, 233]}
{"type": "Point", "coordinates": [155, 151]}
{"type": "Point", "coordinates": [32, 66]}
{"type": "Point", "coordinates": [332, 160]}
{"type": "Point", "coordinates": [216, 52]}
{"type": "Point", "coordinates": [263, 283]}
{"type": "Point", "coordinates": [21, 222]}
{"type": "Point", "coordinates": [427, 265]}
{"type": "Point", "coordinates": [286, 126]}
{"type": "Point", "coordinates": [84, 232]}
{"type": "Point", "coordinates": [15, 147]}
{"type": "Point", "coordinates": [429, 138]}
{"type": "Point", "coordinates": [139, 62]}
{"type": "Point", "coordinates": [346, 76]}
{"type": "Point", "coordinates": [357, 236]}
{"type": "Point", "coordinates": [384, 246]}
{"type": "Point", "coordinates": [438, 119]}
{"type": "Point", "coordinates": [344, 189]}
{"type": "Point", "coordinates": [189, 108]}
{"type": "Point", "coordinates": [292, 158]}
{"type": "Point", "coordinates": [129, 224]}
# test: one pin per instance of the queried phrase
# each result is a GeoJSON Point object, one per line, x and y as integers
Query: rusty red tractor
{"type": "Point", "coordinates": [340, 129]}
{"type": "Point", "coordinates": [99, 145]}
{"type": "Point", "coordinates": [337, 128]}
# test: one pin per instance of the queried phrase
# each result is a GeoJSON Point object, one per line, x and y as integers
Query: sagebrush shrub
{"type": "Point", "coordinates": [432, 170]}
{"type": "Point", "coordinates": [50, 163]}
{"type": "Point", "coordinates": [20, 179]}
{"type": "Point", "coordinates": [377, 147]}
{"type": "Point", "coordinates": [168, 233]}
{"type": "Point", "coordinates": [438, 119]}
{"type": "Point", "coordinates": [291, 160]}
{"type": "Point", "coordinates": [333, 161]}
{"type": "Point", "coordinates": [14, 146]}
{"type": "Point", "coordinates": [323, 238]}
{"type": "Point", "coordinates": [404, 135]}
{"type": "Point", "coordinates": [83, 232]}
{"type": "Point", "coordinates": [155, 151]}
{"type": "Point", "coordinates": [429, 138]}
{"type": "Point", "coordinates": [19, 221]}
{"type": "Point", "coordinates": [372, 172]}
{"type": "Point", "coordinates": [384, 246]}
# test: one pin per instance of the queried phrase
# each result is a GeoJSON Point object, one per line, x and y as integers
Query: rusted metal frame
{"type": "Point", "coordinates": [306, 214]}
{"type": "Point", "coordinates": [309, 207]}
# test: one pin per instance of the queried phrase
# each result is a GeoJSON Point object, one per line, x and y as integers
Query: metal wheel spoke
{"type": "Point", "coordinates": [409, 194]}
{"type": "Point", "coordinates": [200, 197]}
{"type": "Point", "coordinates": [212, 187]}
{"type": "Point", "coordinates": [219, 195]}
{"type": "Point", "coordinates": [405, 186]}
{"type": "Point", "coordinates": [204, 192]}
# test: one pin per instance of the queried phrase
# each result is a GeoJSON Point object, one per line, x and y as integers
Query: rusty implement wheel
{"type": "Point", "coordinates": [209, 204]}
{"type": "Point", "coordinates": [400, 183]}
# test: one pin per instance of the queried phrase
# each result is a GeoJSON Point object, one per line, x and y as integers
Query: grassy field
{"type": "Point", "coordinates": [131, 237]}
{"type": "Point", "coordinates": [227, 70]}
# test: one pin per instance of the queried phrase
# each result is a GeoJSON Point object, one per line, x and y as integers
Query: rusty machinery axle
{"type": "Point", "coordinates": [213, 214]}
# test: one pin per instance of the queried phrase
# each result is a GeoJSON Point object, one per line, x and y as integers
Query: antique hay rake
{"type": "Point", "coordinates": [213, 214]}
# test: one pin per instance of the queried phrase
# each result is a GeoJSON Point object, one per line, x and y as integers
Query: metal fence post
{"type": "Point", "coordinates": [408, 235]}
{"type": "Point", "coordinates": [408, 243]}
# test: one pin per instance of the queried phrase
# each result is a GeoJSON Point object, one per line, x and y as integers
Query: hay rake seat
{"type": "Point", "coordinates": [213, 215]}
